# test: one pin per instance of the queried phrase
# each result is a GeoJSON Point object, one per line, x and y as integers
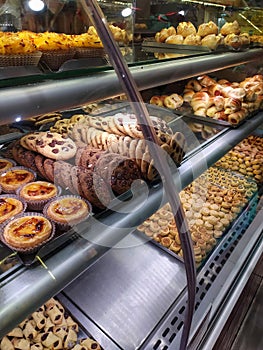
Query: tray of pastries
{"type": "Point", "coordinates": [206, 37]}
{"type": "Point", "coordinates": [211, 204]}
{"type": "Point", "coordinates": [216, 101]}
{"type": "Point", "coordinates": [51, 326]}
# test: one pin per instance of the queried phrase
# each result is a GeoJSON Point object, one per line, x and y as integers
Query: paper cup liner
{"type": "Point", "coordinates": [13, 190]}
{"type": "Point", "coordinates": [19, 199]}
{"type": "Point", "coordinates": [55, 59]}
{"type": "Point", "coordinates": [31, 59]}
{"type": "Point", "coordinates": [31, 249]}
{"type": "Point", "coordinates": [12, 162]}
{"type": "Point", "coordinates": [90, 52]}
{"type": "Point", "coordinates": [67, 224]}
{"type": "Point", "coordinates": [38, 204]}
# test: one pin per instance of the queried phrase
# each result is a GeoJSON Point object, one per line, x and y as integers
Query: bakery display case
{"type": "Point", "coordinates": [124, 290]}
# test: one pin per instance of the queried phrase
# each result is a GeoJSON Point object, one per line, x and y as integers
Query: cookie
{"type": "Point", "coordinates": [49, 169]}
{"type": "Point", "coordinates": [77, 118]}
{"type": "Point", "coordinates": [29, 160]}
{"type": "Point", "coordinates": [146, 159]}
{"type": "Point", "coordinates": [29, 141]}
{"type": "Point", "coordinates": [123, 174]}
{"type": "Point", "coordinates": [75, 180]}
{"type": "Point", "coordinates": [62, 174]}
{"type": "Point", "coordinates": [140, 149]}
{"type": "Point", "coordinates": [132, 148]}
{"type": "Point", "coordinates": [112, 143]}
{"type": "Point", "coordinates": [56, 146]}
{"type": "Point", "coordinates": [39, 161]}
{"type": "Point", "coordinates": [95, 122]}
{"type": "Point", "coordinates": [94, 189]}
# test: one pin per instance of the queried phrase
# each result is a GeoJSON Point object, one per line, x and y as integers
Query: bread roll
{"type": "Point", "coordinates": [233, 40]}
{"type": "Point", "coordinates": [175, 39]}
{"type": "Point", "coordinates": [230, 28]}
{"type": "Point", "coordinates": [211, 40]}
{"type": "Point", "coordinates": [185, 29]}
{"type": "Point", "coordinates": [192, 39]}
{"type": "Point", "coordinates": [207, 29]}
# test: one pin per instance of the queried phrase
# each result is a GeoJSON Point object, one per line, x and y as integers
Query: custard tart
{"type": "Point", "coordinates": [15, 177]}
{"type": "Point", "coordinates": [27, 231]}
{"type": "Point", "coordinates": [10, 206]}
{"type": "Point", "coordinates": [67, 210]}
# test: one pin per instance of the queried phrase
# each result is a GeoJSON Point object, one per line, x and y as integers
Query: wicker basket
{"type": "Point", "coordinates": [54, 59]}
{"type": "Point", "coordinates": [90, 52]}
{"type": "Point", "coordinates": [20, 59]}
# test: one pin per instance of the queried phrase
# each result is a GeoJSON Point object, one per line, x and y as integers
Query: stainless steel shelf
{"type": "Point", "coordinates": [39, 282]}
{"type": "Point", "coordinates": [57, 95]}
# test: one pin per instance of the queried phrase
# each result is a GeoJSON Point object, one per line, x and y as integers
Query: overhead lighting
{"type": "Point", "coordinates": [36, 5]}
{"type": "Point", "coordinates": [181, 13]}
{"type": "Point", "coordinates": [126, 12]}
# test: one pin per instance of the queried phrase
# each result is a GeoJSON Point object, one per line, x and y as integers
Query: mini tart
{"type": "Point", "coordinates": [6, 164]}
{"type": "Point", "coordinates": [27, 231]}
{"type": "Point", "coordinates": [37, 193]}
{"type": "Point", "coordinates": [10, 206]}
{"type": "Point", "coordinates": [67, 210]}
{"type": "Point", "coordinates": [15, 177]}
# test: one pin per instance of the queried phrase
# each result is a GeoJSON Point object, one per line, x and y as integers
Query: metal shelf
{"type": "Point", "coordinates": [39, 282]}
{"type": "Point", "coordinates": [54, 95]}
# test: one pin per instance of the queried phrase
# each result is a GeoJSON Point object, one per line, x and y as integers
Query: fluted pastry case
{"type": "Point", "coordinates": [131, 179]}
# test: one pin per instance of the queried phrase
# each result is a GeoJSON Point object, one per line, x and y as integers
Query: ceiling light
{"type": "Point", "coordinates": [36, 5]}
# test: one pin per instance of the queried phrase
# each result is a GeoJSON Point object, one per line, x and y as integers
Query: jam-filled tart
{"type": "Point", "coordinates": [10, 206]}
{"type": "Point", "coordinates": [15, 177]}
{"type": "Point", "coordinates": [27, 231]}
{"type": "Point", "coordinates": [67, 210]}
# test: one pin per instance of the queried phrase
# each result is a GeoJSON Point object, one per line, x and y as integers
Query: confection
{"type": "Point", "coordinates": [9, 207]}
{"type": "Point", "coordinates": [15, 177]}
{"type": "Point", "coordinates": [68, 210]}
{"type": "Point", "coordinates": [27, 231]}
{"type": "Point", "coordinates": [38, 192]}
{"type": "Point", "coordinates": [6, 164]}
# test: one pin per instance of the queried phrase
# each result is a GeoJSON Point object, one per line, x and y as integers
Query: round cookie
{"type": "Point", "coordinates": [56, 146]}
{"type": "Point", "coordinates": [39, 161]}
{"type": "Point", "coordinates": [49, 168]}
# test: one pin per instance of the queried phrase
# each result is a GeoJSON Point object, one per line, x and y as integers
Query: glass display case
{"type": "Point", "coordinates": [103, 270]}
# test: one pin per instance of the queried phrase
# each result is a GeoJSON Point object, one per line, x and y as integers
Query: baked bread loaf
{"type": "Point", "coordinates": [205, 29]}
{"type": "Point", "coordinates": [230, 28]}
{"type": "Point", "coordinates": [185, 29]}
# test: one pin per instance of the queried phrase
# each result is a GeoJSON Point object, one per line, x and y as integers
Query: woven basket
{"type": "Point", "coordinates": [54, 59]}
{"type": "Point", "coordinates": [20, 59]}
{"type": "Point", "coordinates": [87, 52]}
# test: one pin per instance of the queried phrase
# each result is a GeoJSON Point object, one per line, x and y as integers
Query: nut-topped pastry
{"type": "Point", "coordinates": [67, 210]}
{"type": "Point", "coordinates": [15, 177]}
{"type": "Point", "coordinates": [37, 193]}
{"type": "Point", "coordinates": [27, 231]}
{"type": "Point", "coordinates": [10, 205]}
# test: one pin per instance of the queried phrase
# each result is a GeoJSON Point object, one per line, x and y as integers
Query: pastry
{"type": "Point", "coordinates": [211, 41]}
{"type": "Point", "coordinates": [233, 40]}
{"type": "Point", "coordinates": [10, 205]}
{"type": "Point", "coordinates": [6, 164]}
{"type": "Point", "coordinates": [175, 39]}
{"type": "Point", "coordinates": [67, 210]}
{"type": "Point", "coordinates": [192, 39]}
{"type": "Point", "coordinates": [55, 146]}
{"type": "Point", "coordinates": [230, 28]}
{"type": "Point", "coordinates": [207, 29]}
{"type": "Point", "coordinates": [15, 177]}
{"type": "Point", "coordinates": [173, 101]}
{"type": "Point", "coordinates": [37, 193]}
{"type": "Point", "coordinates": [185, 29]}
{"type": "Point", "coordinates": [27, 231]}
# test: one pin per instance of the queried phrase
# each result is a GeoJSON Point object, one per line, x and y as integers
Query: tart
{"type": "Point", "coordinates": [10, 206]}
{"type": "Point", "coordinates": [37, 193]}
{"type": "Point", "coordinates": [15, 177]}
{"type": "Point", "coordinates": [6, 164]}
{"type": "Point", "coordinates": [27, 231]}
{"type": "Point", "coordinates": [67, 210]}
